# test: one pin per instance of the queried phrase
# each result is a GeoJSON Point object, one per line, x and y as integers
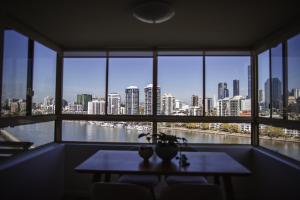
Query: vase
{"type": "Point", "coordinates": [166, 152]}
{"type": "Point", "coordinates": [145, 152]}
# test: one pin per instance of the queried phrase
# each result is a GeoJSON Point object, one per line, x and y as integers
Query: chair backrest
{"type": "Point", "coordinates": [191, 192]}
{"type": "Point", "coordinates": [117, 191]}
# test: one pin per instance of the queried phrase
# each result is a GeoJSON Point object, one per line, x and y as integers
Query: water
{"type": "Point", "coordinates": [80, 131]}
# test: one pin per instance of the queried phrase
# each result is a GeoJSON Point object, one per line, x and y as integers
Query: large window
{"type": "Point", "coordinates": [14, 82]}
{"type": "Point", "coordinates": [293, 78]}
{"type": "Point", "coordinates": [44, 73]}
{"type": "Point", "coordinates": [180, 83]}
{"type": "Point", "coordinates": [277, 81]}
{"type": "Point", "coordinates": [228, 85]}
{"type": "Point", "coordinates": [38, 134]}
{"type": "Point", "coordinates": [100, 131]}
{"type": "Point", "coordinates": [282, 140]}
{"type": "Point", "coordinates": [219, 133]}
{"type": "Point", "coordinates": [130, 86]}
{"type": "Point", "coordinates": [84, 85]}
{"type": "Point", "coordinates": [264, 84]}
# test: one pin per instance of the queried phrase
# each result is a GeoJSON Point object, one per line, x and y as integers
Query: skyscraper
{"type": "Point", "coordinates": [83, 100]}
{"type": "Point", "coordinates": [132, 100]}
{"type": "Point", "coordinates": [276, 93]}
{"type": "Point", "coordinates": [236, 87]}
{"type": "Point", "coordinates": [168, 104]}
{"type": "Point", "coordinates": [223, 92]}
{"type": "Point", "coordinates": [148, 99]}
{"type": "Point", "coordinates": [195, 100]}
{"type": "Point", "coordinates": [113, 103]}
{"type": "Point", "coordinates": [249, 82]}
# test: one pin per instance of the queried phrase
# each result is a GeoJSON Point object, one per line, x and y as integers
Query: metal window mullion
{"type": "Point", "coordinates": [29, 89]}
{"type": "Point", "coordinates": [58, 97]}
{"type": "Point", "coordinates": [1, 65]}
{"type": "Point", "coordinates": [254, 99]}
{"type": "Point", "coordinates": [204, 82]}
{"type": "Point", "coordinates": [270, 83]}
{"type": "Point", "coordinates": [154, 93]}
{"type": "Point", "coordinates": [285, 79]}
{"type": "Point", "coordinates": [106, 82]}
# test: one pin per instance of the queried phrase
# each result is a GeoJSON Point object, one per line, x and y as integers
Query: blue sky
{"type": "Point", "coordinates": [179, 75]}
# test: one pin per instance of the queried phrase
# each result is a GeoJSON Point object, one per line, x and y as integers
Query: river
{"type": "Point", "coordinates": [81, 131]}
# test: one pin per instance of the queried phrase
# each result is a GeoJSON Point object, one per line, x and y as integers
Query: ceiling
{"type": "Point", "coordinates": [95, 24]}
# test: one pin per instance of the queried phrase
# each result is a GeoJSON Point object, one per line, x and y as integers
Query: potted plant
{"type": "Point", "coordinates": [167, 146]}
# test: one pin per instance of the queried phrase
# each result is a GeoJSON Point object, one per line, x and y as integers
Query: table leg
{"type": "Point", "coordinates": [228, 188]}
{"type": "Point", "coordinates": [106, 177]}
{"type": "Point", "coordinates": [96, 178]}
{"type": "Point", "coordinates": [217, 180]}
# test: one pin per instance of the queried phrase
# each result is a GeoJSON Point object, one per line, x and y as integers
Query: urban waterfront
{"type": "Point", "coordinates": [88, 132]}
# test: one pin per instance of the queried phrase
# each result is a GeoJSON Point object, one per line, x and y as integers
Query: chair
{"type": "Point", "coordinates": [172, 180]}
{"type": "Point", "coordinates": [191, 192]}
{"type": "Point", "coordinates": [143, 180]}
{"type": "Point", "coordinates": [117, 191]}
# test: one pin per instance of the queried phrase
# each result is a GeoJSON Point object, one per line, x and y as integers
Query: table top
{"type": "Point", "coordinates": [129, 162]}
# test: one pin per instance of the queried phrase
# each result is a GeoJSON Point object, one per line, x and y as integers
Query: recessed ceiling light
{"type": "Point", "coordinates": [153, 12]}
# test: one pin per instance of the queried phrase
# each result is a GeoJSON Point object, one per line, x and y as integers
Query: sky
{"type": "Point", "coordinates": [178, 75]}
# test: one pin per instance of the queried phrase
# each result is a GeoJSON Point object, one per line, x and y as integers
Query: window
{"type": "Point", "coordinates": [100, 131]}
{"type": "Point", "coordinates": [277, 81]}
{"type": "Point", "coordinates": [180, 85]}
{"type": "Point", "coordinates": [130, 86]}
{"type": "Point", "coordinates": [293, 78]}
{"type": "Point", "coordinates": [14, 83]}
{"type": "Point", "coordinates": [44, 73]}
{"type": "Point", "coordinates": [264, 84]}
{"type": "Point", "coordinates": [38, 134]}
{"type": "Point", "coordinates": [281, 140]}
{"type": "Point", "coordinates": [220, 133]}
{"type": "Point", "coordinates": [84, 86]}
{"type": "Point", "coordinates": [228, 85]}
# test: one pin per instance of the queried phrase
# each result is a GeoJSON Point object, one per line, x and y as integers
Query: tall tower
{"type": "Point", "coordinates": [236, 87]}
{"type": "Point", "coordinates": [195, 100]}
{"type": "Point", "coordinates": [113, 103]}
{"type": "Point", "coordinates": [148, 99]}
{"type": "Point", "coordinates": [276, 93]}
{"type": "Point", "coordinates": [223, 92]}
{"type": "Point", "coordinates": [168, 104]}
{"type": "Point", "coordinates": [132, 100]}
{"type": "Point", "coordinates": [83, 100]}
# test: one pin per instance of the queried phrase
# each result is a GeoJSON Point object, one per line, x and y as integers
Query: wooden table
{"type": "Point", "coordinates": [217, 164]}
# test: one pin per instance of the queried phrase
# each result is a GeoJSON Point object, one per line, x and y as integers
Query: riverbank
{"type": "Point", "coordinates": [228, 134]}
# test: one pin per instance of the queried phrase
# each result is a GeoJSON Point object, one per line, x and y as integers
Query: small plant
{"type": "Point", "coordinates": [162, 138]}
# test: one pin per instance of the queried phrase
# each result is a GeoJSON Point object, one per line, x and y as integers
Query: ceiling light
{"type": "Point", "coordinates": [153, 12]}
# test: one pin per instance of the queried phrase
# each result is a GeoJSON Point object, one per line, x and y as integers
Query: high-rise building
{"type": "Point", "coordinates": [276, 93]}
{"type": "Point", "coordinates": [209, 105]}
{"type": "Point", "coordinates": [236, 87]}
{"type": "Point", "coordinates": [296, 92]}
{"type": "Point", "coordinates": [168, 104]}
{"type": "Point", "coordinates": [148, 99]}
{"type": "Point", "coordinates": [113, 103]}
{"type": "Point", "coordinates": [48, 101]}
{"type": "Point", "coordinates": [132, 100]}
{"type": "Point", "coordinates": [223, 92]}
{"type": "Point", "coordinates": [83, 100]}
{"type": "Point", "coordinates": [195, 111]}
{"type": "Point", "coordinates": [223, 107]}
{"type": "Point", "coordinates": [195, 100]}
{"type": "Point", "coordinates": [96, 107]}
{"type": "Point", "coordinates": [249, 82]}
{"type": "Point", "coordinates": [235, 105]}
{"type": "Point", "coordinates": [178, 104]}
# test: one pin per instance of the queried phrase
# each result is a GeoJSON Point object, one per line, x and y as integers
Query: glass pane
{"type": "Point", "coordinates": [14, 86]}
{"type": "Point", "coordinates": [293, 78]}
{"type": "Point", "coordinates": [38, 134]}
{"type": "Point", "coordinates": [218, 133]}
{"type": "Point", "coordinates": [44, 73]}
{"type": "Point", "coordinates": [84, 85]}
{"type": "Point", "coordinates": [264, 84]}
{"type": "Point", "coordinates": [277, 75]}
{"type": "Point", "coordinates": [97, 131]}
{"type": "Point", "coordinates": [228, 85]}
{"type": "Point", "coordinates": [130, 86]}
{"type": "Point", "coordinates": [281, 140]}
{"type": "Point", "coordinates": [180, 81]}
